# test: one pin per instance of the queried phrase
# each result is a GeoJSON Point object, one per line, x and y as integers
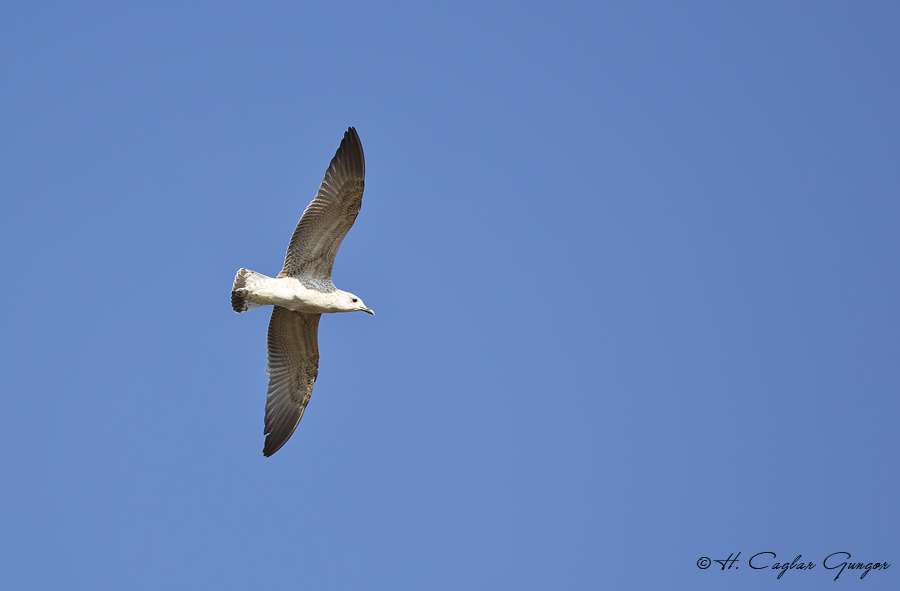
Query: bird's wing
{"type": "Point", "coordinates": [328, 218]}
{"type": "Point", "coordinates": [293, 366]}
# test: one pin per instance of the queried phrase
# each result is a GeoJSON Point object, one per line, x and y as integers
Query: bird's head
{"type": "Point", "coordinates": [354, 303]}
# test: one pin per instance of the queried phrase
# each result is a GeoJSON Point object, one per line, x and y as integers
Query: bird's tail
{"type": "Point", "coordinates": [244, 277]}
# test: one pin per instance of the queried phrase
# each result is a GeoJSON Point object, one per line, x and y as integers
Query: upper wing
{"type": "Point", "coordinates": [327, 219]}
{"type": "Point", "coordinates": [293, 366]}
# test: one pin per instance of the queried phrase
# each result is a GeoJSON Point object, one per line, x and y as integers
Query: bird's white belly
{"type": "Point", "coordinates": [289, 293]}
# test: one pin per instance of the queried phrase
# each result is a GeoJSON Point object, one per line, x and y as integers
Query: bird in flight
{"type": "Point", "coordinates": [303, 291]}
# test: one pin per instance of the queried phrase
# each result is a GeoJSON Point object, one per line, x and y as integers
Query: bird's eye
{"type": "Point", "coordinates": [354, 300]}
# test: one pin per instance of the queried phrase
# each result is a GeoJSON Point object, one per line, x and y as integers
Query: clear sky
{"type": "Point", "coordinates": [634, 267]}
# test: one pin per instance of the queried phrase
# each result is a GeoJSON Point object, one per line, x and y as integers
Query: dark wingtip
{"type": "Point", "coordinates": [279, 435]}
{"type": "Point", "coordinates": [352, 148]}
{"type": "Point", "coordinates": [270, 446]}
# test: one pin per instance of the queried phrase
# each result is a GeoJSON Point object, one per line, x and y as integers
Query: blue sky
{"type": "Point", "coordinates": [635, 270]}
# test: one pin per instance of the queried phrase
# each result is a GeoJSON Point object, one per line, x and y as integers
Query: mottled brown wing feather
{"type": "Point", "coordinates": [293, 366]}
{"type": "Point", "coordinates": [328, 218]}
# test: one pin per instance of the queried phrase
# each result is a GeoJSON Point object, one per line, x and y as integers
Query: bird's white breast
{"type": "Point", "coordinates": [289, 293]}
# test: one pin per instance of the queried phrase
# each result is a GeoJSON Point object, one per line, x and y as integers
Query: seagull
{"type": "Point", "coordinates": [303, 291]}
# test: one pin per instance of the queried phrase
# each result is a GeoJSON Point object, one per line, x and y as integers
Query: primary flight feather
{"type": "Point", "coordinates": [303, 291]}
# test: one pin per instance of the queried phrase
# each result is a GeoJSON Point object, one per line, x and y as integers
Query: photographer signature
{"type": "Point", "coordinates": [766, 560]}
